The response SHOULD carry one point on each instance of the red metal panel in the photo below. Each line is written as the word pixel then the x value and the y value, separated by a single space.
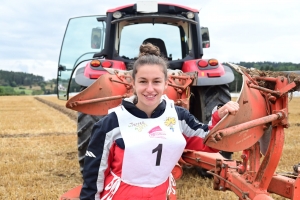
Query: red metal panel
pixel 72 194
pixel 105 86
pixel 252 106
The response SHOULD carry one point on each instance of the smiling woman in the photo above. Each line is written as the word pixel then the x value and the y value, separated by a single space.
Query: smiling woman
pixel 150 78
pixel 149 87
pixel 133 149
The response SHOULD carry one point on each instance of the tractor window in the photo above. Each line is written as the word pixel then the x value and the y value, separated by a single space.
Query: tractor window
pixel 78 45
pixel 132 36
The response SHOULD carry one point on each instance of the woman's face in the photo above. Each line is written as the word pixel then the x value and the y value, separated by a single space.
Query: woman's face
pixel 149 85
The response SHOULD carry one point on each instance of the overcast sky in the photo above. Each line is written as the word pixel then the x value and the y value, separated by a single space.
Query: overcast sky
pixel 31 31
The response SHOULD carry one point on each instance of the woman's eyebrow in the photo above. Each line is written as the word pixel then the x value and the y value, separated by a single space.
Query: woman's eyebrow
pixel 153 78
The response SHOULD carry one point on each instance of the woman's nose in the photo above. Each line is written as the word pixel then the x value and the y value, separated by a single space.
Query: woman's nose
pixel 149 87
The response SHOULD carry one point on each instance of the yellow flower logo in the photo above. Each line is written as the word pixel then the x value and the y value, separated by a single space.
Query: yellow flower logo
pixel 170 121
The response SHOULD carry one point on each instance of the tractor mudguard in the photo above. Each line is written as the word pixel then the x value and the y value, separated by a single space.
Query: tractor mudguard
pixel 88 74
pixel 81 79
pixel 228 77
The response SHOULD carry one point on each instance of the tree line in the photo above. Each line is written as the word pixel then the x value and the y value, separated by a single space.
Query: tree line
pixel 272 66
pixel 13 79
pixel 16 83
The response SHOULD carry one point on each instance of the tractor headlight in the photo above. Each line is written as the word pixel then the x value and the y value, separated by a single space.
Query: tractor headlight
pixel 117 14
pixel 190 15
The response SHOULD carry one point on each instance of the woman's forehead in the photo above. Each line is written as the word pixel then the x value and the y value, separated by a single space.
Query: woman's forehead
pixel 151 71
pixel 152 67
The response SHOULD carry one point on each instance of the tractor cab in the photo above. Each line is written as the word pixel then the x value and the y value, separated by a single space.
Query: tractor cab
pixel 114 41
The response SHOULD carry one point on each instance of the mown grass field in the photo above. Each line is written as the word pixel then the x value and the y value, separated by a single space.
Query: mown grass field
pixel 38 152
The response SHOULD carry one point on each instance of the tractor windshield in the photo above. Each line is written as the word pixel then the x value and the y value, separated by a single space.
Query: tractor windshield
pixel 83 38
pixel 172 39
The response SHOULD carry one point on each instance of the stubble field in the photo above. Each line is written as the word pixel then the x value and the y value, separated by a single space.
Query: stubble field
pixel 38 152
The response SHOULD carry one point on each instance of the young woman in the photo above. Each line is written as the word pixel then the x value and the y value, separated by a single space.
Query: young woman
pixel 134 148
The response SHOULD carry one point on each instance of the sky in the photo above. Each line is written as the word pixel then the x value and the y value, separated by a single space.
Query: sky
pixel 31 32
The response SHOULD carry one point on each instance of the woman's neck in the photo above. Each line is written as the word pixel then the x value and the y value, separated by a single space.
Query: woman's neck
pixel 148 111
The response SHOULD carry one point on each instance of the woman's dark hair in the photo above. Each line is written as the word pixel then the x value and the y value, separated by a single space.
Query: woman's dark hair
pixel 150 55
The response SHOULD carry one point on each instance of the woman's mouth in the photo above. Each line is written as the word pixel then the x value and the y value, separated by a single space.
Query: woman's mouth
pixel 150 97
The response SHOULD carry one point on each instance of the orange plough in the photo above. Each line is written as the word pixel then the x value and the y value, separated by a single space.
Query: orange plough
pixel 263 111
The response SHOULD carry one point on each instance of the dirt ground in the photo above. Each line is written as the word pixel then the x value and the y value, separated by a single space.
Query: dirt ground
pixel 39 156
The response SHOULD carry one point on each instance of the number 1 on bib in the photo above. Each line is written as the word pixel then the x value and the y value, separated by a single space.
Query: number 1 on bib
pixel 158 149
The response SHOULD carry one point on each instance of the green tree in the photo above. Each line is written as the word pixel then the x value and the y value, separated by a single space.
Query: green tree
pixel 13 84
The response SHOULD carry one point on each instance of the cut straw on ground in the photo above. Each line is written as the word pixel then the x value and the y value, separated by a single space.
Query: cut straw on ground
pixel 38 153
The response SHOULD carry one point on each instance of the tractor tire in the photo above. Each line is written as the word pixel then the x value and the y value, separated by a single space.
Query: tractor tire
pixel 209 97
pixel 205 98
pixel 85 125
pixel 202 102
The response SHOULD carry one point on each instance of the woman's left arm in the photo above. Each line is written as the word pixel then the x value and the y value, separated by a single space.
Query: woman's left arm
pixel 195 131
pixel 230 107
pixel 221 111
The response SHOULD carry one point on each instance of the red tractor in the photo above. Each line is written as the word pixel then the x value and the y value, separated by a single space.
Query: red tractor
pixel 94 44
pixel 96 56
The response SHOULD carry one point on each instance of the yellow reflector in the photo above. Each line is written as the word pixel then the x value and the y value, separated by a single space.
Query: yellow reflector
pixel 95 63
pixel 213 62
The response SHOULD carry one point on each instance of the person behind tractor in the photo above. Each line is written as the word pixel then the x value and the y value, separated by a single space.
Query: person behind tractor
pixel 134 148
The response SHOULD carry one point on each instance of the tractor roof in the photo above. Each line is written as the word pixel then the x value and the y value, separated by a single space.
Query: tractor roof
pixel 131 7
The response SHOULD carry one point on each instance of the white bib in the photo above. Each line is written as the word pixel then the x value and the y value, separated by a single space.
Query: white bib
pixel 152 146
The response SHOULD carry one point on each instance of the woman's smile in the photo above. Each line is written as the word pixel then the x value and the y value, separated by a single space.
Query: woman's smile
pixel 149 86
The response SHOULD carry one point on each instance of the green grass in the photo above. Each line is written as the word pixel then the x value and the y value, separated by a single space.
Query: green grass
pixel 27 91
pixel 19 90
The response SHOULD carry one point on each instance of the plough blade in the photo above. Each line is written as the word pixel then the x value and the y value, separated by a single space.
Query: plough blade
pixel 252 106
pixel 105 93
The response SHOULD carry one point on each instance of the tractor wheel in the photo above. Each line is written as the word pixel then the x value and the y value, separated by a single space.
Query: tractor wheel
pixel 85 124
pixel 203 101
pixel 206 98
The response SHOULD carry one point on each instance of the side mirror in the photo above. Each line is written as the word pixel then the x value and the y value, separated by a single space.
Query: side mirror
pixel 96 38
pixel 205 37
pixel 62 68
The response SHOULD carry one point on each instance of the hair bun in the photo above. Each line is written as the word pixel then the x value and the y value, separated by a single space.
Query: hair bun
pixel 149 49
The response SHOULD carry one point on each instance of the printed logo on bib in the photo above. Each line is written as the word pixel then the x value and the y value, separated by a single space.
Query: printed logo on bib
pixel 170 121
pixel 138 126
pixel 157 132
